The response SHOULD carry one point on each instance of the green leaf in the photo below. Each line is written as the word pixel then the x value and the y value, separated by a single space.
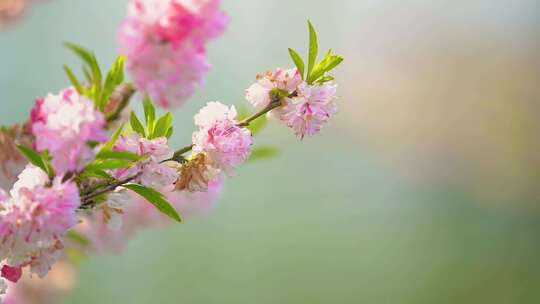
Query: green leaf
pixel 325 79
pixel 313 49
pixel 115 76
pixel 155 198
pixel 35 159
pixel 169 132
pixel 136 124
pixel 329 62
pixel 108 164
pixel 162 126
pixel 333 62
pixel 73 79
pixel 87 74
pixel 126 155
pixel 92 72
pixel 297 61
pixel 150 115
pixel 77 238
pixel 87 57
pixel 110 144
pixel 263 152
pixel 97 173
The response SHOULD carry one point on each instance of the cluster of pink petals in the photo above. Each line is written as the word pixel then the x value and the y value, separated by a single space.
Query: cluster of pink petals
pixel 153 171
pixel 258 94
pixel 33 221
pixel 164 42
pixel 313 107
pixel 309 107
pixel 219 137
pixel 63 124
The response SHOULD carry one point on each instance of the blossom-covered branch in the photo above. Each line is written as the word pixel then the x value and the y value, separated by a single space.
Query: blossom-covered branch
pixel 97 172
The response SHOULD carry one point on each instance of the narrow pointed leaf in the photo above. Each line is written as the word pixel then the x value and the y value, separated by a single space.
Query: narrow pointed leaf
pixel 136 124
pixel 77 238
pixel 150 115
pixel 169 132
pixel 297 61
pixel 125 155
pixel 325 79
pixel 89 58
pixel 313 49
pixel 97 173
pixel 109 164
pixel 34 158
pixel 73 79
pixel 162 126
pixel 263 152
pixel 110 144
pixel 155 198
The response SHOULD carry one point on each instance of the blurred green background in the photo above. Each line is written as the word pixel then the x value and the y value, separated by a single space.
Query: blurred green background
pixel 423 189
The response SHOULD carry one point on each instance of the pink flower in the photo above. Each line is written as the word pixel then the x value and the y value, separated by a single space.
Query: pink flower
pixel 35 218
pixel 214 111
pixel 64 124
pixel 226 144
pixel 313 106
pixel 258 94
pixel 153 172
pixel 164 42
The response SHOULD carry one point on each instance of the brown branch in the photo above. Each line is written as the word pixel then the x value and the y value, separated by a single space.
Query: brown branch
pixel 86 200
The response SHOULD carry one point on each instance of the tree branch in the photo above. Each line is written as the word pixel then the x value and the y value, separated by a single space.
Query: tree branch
pixel 86 200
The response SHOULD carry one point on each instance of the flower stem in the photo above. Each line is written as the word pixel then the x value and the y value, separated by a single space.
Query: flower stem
pixel 177 156
pixel 178 153
pixel 86 200
pixel 276 102
pixel 272 105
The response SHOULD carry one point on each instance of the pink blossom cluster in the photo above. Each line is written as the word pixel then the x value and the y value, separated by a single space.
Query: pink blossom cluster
pixel 63 124
pixel 164 42
pixel 306 109
pixel 33 221
pixel 153 171
pixel 220 138
pixel 98 195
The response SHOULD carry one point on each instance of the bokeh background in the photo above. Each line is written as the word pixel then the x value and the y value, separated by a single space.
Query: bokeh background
pixel 424 189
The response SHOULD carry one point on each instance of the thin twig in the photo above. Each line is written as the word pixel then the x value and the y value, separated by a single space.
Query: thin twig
pixel 86 199
pixel 275 103
pixel 272 105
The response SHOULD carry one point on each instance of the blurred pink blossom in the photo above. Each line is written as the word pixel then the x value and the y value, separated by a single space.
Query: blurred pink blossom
pixel 164 42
